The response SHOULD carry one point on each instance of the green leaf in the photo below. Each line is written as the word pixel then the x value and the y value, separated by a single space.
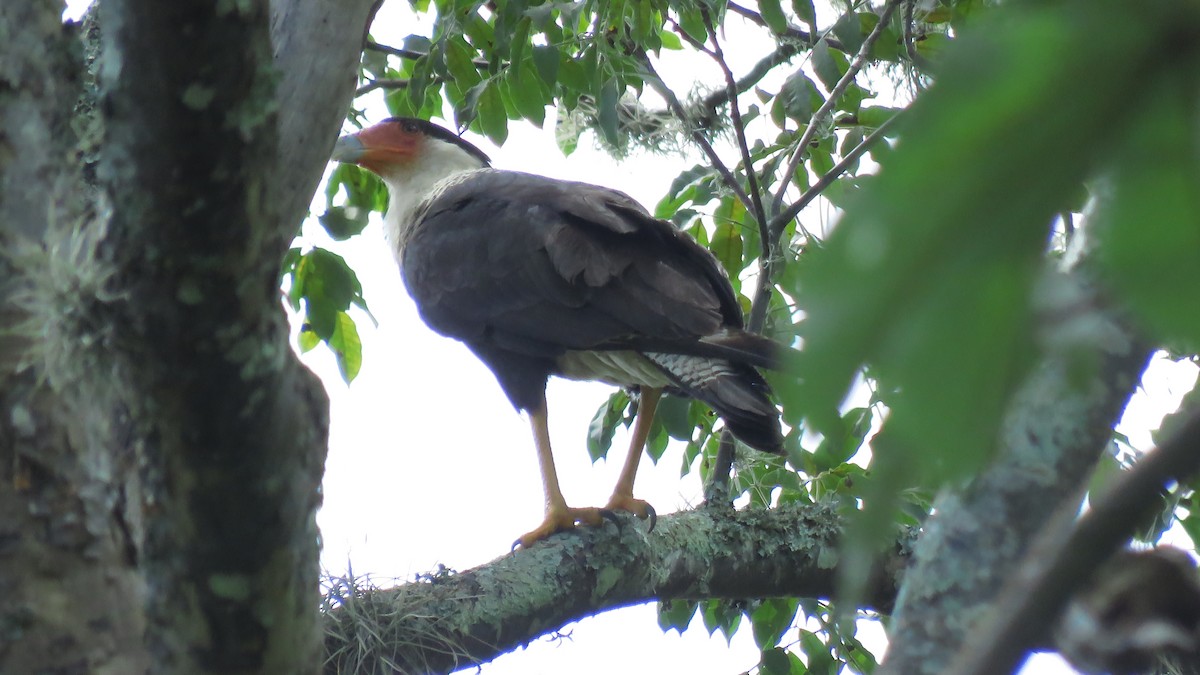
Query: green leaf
pixel 836 449
pixel 676 614
pixel 772 13
pixel 940 284
pixel 347 345
pixel 720 615
pixel 848 30
pixel 673 412
pixel 775 662
pixel 656 444
pixel 574 78
pixel 546 59
pixel 771 619
pixel 606 112
pixel 670 40
pixel 343 222
pixel 308 339
pixel 692 23
pixel 1151 238
pixel 327 286
pixel 805 10
pixel 604 425
pixel 799 97
pixel 336 280
pixel 459 61
pixel 873 117
pixel 727 246
pixel 493 120
pixel 520 42
pixel 819 658
pixel 828 64
pixel 932 46
pixel 527 97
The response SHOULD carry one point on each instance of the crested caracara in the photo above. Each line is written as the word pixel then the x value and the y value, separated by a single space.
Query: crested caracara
pixel 542 277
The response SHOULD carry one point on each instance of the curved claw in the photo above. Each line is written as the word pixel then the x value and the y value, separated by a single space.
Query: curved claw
pixel 653 516
pixel 561 519
pixel 610 516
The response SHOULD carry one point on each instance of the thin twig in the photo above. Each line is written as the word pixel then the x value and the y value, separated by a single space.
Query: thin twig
pixel 1066 551
pixel 762 296
pixel 372 46
pixel 818 118
pixel 656 83
pixel 717 491
pixel 380 84
pixel 413 54
pixel 784 217
pixel 791 32
pixel 735 114
pixel 782 54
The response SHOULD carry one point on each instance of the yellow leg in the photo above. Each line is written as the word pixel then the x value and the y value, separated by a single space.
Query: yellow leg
pixel 622 498
pixel 559 516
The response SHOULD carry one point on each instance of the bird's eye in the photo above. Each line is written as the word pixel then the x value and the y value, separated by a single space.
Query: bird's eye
pixel 410 127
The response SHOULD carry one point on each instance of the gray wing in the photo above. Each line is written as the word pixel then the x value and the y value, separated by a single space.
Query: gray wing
pixel 540 266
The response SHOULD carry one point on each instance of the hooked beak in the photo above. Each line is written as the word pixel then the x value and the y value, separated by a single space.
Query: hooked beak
pixel 348 149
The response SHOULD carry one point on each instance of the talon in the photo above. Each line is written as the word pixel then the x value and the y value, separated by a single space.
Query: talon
pixel 559 519
pixel 638 507
pixel 610 516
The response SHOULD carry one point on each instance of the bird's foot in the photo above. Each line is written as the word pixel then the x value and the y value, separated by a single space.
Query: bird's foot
pixel 638 507
pixel 561 519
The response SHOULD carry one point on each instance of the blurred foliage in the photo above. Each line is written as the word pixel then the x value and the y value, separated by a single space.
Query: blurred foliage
pixel 914 313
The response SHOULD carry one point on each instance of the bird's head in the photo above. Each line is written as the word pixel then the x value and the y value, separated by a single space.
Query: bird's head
pixel 414 158
pixel 401 146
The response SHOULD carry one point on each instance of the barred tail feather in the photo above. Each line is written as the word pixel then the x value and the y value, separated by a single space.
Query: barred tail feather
pixel 736 392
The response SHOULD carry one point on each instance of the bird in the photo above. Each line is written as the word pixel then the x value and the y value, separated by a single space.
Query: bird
pixel 542 277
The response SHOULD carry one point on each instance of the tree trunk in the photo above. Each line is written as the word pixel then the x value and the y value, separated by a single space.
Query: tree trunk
pixel 161 448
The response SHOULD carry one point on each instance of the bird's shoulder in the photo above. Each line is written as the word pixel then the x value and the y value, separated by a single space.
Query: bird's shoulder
pixel 515 193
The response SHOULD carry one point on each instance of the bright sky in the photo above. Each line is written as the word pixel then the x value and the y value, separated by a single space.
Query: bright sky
pixel 429 465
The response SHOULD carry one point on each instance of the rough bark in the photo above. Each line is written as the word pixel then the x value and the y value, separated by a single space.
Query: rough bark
pixel 160 447
pixel 449 621
pixel 69 593
pixel 1058 423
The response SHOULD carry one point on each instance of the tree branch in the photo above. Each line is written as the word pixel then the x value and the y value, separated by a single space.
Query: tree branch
pixel 1067 551
pixel 455 620
pixel 1057 425
pixel 782 54
pixel 380 84
pixel 739 129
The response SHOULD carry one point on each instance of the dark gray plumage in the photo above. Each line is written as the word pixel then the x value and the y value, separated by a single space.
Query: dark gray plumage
pixel 525 269
pixel 542 277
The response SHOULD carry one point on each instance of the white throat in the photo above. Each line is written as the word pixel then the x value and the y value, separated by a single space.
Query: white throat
pixel 441 164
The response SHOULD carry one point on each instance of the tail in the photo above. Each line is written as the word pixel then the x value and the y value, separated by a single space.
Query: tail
pixel 734 390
